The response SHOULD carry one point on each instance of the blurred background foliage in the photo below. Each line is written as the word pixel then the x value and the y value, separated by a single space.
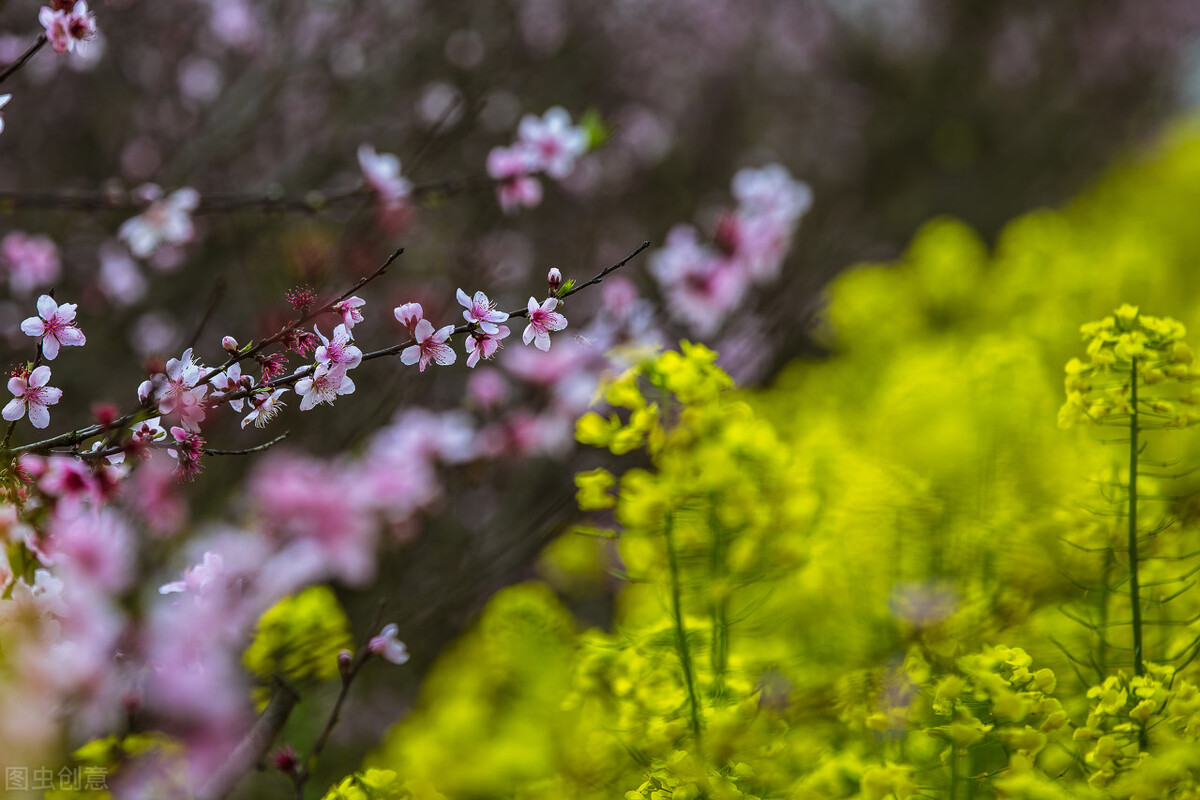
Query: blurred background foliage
pixel 905 539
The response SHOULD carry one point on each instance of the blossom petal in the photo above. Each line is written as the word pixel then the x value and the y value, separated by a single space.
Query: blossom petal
pixel 39 416
pixel 14 410
pixel 46 306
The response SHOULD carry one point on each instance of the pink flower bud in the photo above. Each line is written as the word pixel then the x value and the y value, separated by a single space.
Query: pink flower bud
pixel 285 760
pixel 230 344
pixel 105 414
pixel 554 278
pixel 345 662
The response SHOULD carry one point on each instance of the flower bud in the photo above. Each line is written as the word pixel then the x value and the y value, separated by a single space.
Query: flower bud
pixel 554 279
pixel 345 662
pixel 230 344
pixel 285 760
pixel 105 414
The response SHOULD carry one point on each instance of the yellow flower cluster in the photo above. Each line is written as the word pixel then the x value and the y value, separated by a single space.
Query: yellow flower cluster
pixel 298 639
pixel 887 575
pixel 1128 351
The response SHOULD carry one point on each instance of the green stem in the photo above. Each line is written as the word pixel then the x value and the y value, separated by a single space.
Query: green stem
pixel 954 756
pixel 719 608
pixel 685 657
pixel 1134 595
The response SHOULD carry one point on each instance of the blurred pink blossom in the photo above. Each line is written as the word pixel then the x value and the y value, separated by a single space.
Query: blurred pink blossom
pixel 167 221
pixel 32 261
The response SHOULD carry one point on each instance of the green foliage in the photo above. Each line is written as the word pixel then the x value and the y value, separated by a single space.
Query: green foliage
pixel 867 581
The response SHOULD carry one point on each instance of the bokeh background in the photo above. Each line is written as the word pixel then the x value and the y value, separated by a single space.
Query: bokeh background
pixel 893 112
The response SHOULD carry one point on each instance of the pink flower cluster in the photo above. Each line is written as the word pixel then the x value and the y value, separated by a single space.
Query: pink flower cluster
pixel 32 261
pixel 53 327
pixel 68 29
pixel 549 145
pixel 703 284
pixel 381 171
pixel 167 220
pixel 484 332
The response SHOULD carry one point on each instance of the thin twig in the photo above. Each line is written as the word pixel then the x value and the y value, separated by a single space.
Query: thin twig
pixel 214 302
pixel 38 44
pixel 288 380
pixel 302 773
pixel 212 451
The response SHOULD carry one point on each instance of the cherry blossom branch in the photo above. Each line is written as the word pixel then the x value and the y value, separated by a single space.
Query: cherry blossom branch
pixel 75 437
pixel 295 325
pixel 310 202
pixel 254 746
pixel 287 380
pixel 208 451
pixel 38 44
pixel 212 451
pixel 304 769
pixel 598 278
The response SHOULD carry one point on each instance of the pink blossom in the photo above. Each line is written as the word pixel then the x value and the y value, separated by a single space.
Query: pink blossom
pixel 266 406
pixel 31 393
pixel 175 391
pixel 188 449
pixel 199 578
pixel 92 545
pixel 430 346
pixel 484 345
pixel 323 386
pixel 119 278
pixel 481 311
pixel 382 173
pixel 547 368
pixel 153 495
pixel 320 513
pixel 388 646
pixel 701 288
pixel 771 191
pixel 230 381
pixel 337 352
pixel 554 142
pixel 68 31
pixel 349 309
pixel 542 320
pixel 487 387
pixel 67 479
pixel 167 221
pixel 409 315
pixel 32 261
pixel 55 326
pixel 43 598
pixel 148 431
pixel 513 168
pixel 762 244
